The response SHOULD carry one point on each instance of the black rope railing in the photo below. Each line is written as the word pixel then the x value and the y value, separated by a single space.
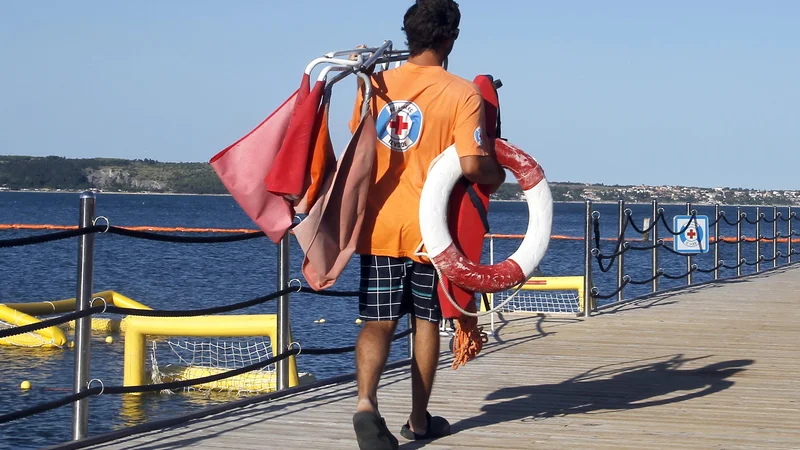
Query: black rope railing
pixel 50 237
pixel 136 234
pixel 596 291
pixel 680 277
pixel 717 267
pixel 649 280
pixel 733 224
pixel 307 290
pixel 692 218
pixel 741 263
pixel 751 222
pixel 647 247
pixel 649 228
pixel 183 239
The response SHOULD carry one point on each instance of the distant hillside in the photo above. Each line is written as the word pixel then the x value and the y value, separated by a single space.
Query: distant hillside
pixel 54 172
pixel 122 175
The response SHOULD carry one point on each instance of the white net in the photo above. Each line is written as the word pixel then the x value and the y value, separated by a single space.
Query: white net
pixel 23 340
pixel 547 302
pixel 178 360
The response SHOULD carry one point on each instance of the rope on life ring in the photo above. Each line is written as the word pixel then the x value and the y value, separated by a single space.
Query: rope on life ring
pixel 444 173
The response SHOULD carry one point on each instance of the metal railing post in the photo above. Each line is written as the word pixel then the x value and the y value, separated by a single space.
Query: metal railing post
pixel 491 262
pixel 738 241
pixel 689 257
pixel 654 233
pixel 588 298
pixel 716 241
pixel 789 240
pixel 83 326
pixel 758 239
pixel 621 258
pixel 775 236
pixel 282 366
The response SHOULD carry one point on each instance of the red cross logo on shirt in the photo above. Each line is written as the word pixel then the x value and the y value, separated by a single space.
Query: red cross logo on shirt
pixel 691 233
pixel 398 125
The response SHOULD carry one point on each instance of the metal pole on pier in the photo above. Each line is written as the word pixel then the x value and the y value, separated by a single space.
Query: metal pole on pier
pixel 689 257
pixel 588 299
pixel 282 366
pixel 758 239
pixel 775 236
pixel 716 241
pixel 83 326
pixel 790 235
pixel 654 233
pixel 621 257
pixel 738 241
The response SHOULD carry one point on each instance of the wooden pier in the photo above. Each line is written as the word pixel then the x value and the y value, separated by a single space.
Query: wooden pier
pixel 707 367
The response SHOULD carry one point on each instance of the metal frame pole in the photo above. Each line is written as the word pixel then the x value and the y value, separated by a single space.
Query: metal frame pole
pixel 716 241
pixel 282 366
pixel 738 241
pixel 775 236
pixel 654 233
pixel 758 239
pixel 621 258
pixel 689 257
pixel 83 326
pixel 789 240
pixel 588 299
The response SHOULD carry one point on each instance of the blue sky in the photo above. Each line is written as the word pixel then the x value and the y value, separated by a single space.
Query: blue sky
pixel 617 92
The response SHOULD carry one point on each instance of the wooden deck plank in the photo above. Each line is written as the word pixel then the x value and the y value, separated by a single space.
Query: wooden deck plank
pixel 707 367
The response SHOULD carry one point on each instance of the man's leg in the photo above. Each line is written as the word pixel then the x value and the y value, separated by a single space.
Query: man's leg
pixel 381 305
pixel 372 351
pixel 423 371
pixel 427 315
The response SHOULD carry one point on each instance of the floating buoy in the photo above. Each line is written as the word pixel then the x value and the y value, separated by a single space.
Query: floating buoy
pixel 109 340
pixel 321 320
pixel 358 321
pixel 316 321
pixel 25 385
pixel 71 344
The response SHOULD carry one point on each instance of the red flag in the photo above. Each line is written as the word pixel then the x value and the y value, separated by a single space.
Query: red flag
pixel 322 164
pixel 288 177
pixel 243 166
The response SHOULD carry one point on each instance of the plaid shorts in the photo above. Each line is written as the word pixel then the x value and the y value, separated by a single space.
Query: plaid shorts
pixel 391 287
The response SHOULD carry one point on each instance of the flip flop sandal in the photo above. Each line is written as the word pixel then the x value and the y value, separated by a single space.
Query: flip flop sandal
pixel 437 427
pixel 372 432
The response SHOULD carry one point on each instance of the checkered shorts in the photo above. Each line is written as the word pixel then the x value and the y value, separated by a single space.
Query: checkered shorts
pixel 392 287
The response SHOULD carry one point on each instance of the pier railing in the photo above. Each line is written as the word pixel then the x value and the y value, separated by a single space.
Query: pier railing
pixel 656 225
pixel 85 306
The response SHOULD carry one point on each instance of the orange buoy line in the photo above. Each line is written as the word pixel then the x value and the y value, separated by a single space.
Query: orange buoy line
pixel 16 226
pixel 556 237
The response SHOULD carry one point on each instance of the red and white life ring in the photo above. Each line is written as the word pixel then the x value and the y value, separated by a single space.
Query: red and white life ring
pixel 443 174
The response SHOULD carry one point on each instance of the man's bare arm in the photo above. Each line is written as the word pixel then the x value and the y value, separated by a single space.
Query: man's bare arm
pixel 483 170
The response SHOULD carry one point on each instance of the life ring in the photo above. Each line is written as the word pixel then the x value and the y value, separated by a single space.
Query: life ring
pixel 444 173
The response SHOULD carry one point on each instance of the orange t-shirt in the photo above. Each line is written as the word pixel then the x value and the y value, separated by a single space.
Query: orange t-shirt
pixel 419 112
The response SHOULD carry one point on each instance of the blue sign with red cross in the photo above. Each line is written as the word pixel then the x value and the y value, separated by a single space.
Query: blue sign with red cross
pixel 399 124
pixel 693 237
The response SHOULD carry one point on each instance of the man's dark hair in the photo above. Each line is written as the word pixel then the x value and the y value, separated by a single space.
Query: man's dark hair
pixel 429 24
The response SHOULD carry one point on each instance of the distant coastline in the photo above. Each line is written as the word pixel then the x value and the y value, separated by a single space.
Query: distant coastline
pixel 149 177
pixel 493 200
